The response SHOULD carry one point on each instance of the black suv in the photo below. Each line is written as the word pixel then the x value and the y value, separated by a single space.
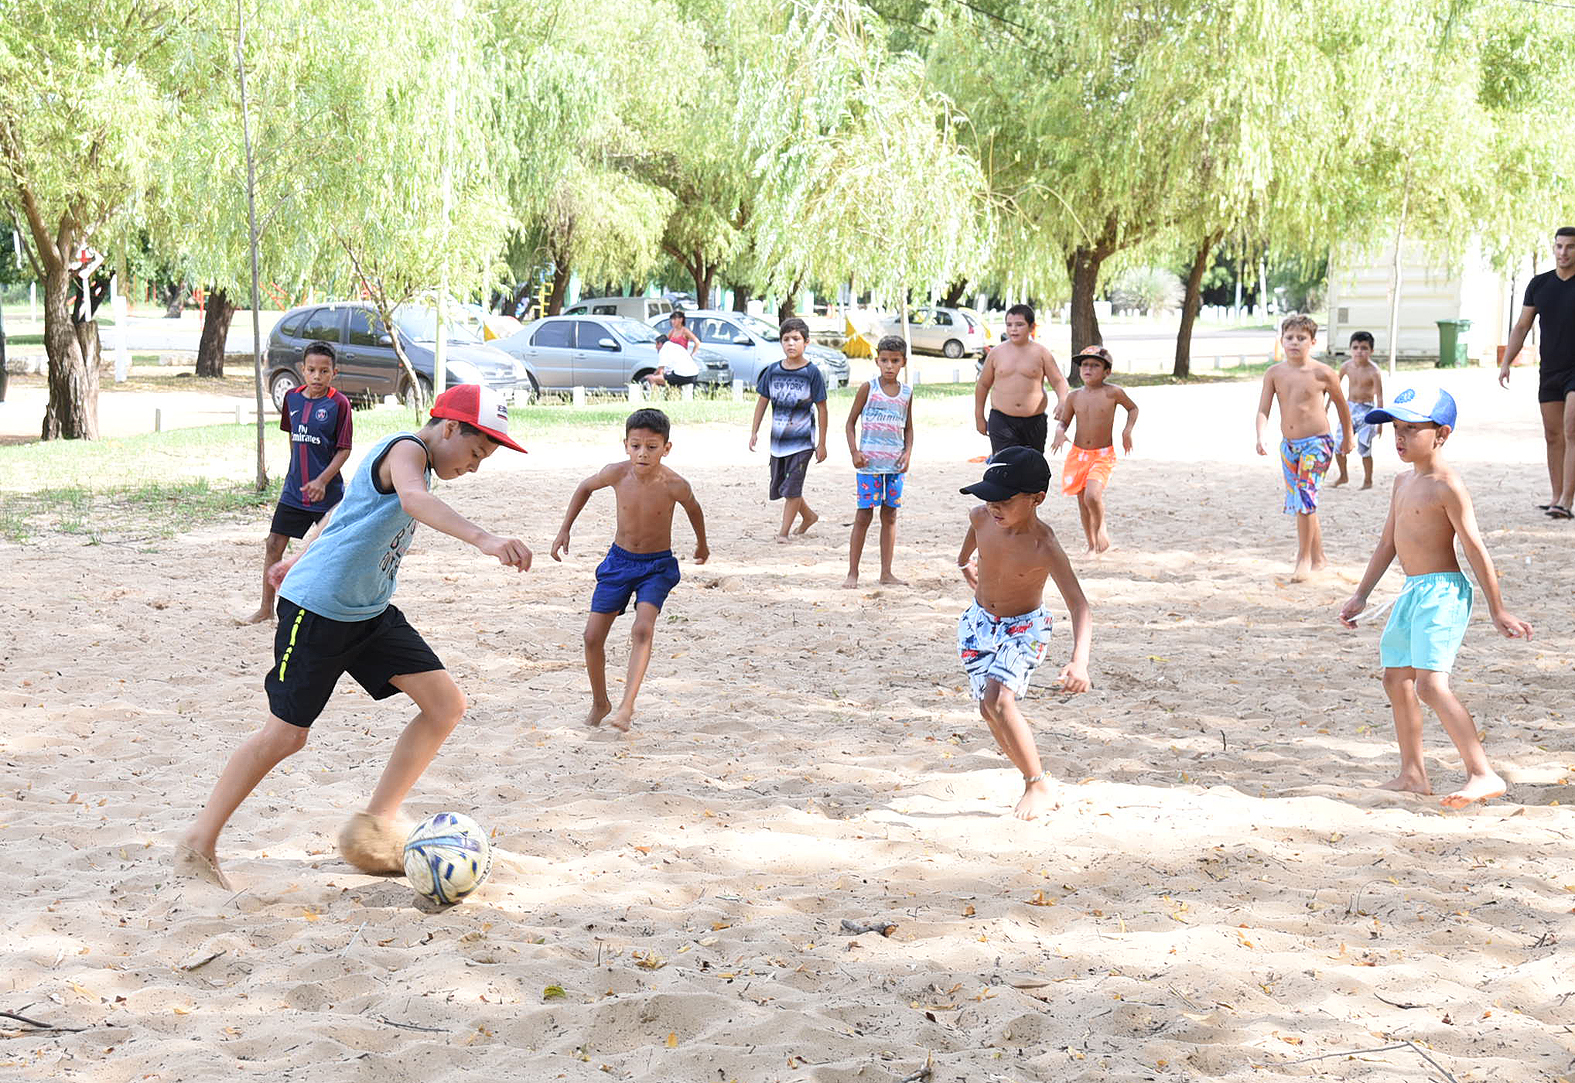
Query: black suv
pixel 368 367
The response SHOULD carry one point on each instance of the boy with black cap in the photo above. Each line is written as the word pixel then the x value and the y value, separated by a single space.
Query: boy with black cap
pixel 335 618
pixel 1428 509
pixel 1004 635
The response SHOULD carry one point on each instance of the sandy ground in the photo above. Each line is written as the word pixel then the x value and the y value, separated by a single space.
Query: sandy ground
pixel 1223 895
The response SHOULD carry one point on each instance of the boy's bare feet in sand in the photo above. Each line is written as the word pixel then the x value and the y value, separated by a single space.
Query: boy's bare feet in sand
pixel 852 582
pixel 598 712
pixel 1038 797
pixel 620 719
pixel 1477 788
pixel 196 865
pixel 374 845
pixel 890 580
pixel 782 539
pixel 1368 484
pixel 256 618
pixel 808 520
pixel 1408 782
pixel 1343 480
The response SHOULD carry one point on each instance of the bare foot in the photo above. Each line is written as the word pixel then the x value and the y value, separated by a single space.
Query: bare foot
pixel 620 719
pixel 1320 563
pixel 195 865
pixel 1407 782
pixel 1339 483
pixel 1102 543
pixel 852 582
pixel 1477 788
pixel 1368 484
pixel 1037 797
pixel 782 539
pixel 809 520
pixel 1090 551
pixel 256 618
pixel 598 711
pixel 374 845
pixel 889 580
pixel 1302 573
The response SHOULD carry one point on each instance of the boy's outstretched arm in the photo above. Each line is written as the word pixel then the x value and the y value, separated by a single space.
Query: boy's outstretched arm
pixel 1265 404
pixel 407 461
pixel 684 495
pixel 965 556
pixel 860 397
pixel 1074 676
pixel 1379 563
pixel 582 494
pixel 276 572
pixel 981 395
pixel 1132 411
pixel 1063 425
pixel 1343 408
pixel 754 426
pixel 1457 503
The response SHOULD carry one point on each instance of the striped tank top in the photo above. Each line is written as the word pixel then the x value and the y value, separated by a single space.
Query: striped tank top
pixel 881 427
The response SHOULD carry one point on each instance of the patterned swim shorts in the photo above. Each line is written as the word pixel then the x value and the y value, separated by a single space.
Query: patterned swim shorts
pixel 1002 649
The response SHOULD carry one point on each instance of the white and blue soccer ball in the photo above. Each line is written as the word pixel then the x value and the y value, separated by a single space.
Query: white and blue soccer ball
pixel 447 857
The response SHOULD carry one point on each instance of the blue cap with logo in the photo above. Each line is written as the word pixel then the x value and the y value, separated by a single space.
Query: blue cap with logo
pixel 1437 407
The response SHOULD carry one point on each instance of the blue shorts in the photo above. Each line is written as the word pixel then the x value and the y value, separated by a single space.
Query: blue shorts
pixel 880 490
pixel 1006 650
pixel 1428 622
pixel 649 577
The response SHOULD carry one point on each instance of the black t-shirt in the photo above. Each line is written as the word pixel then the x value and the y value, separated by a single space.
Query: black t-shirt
pixel 1554 299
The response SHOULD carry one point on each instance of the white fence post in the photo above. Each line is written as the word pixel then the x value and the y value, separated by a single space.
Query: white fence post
pixel 738 391
pixel 635 395
pixel 687 392
pixel 579 396
pixel 158 420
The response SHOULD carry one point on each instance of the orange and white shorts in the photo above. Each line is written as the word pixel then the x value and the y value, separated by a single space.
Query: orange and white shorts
pixel 1083 463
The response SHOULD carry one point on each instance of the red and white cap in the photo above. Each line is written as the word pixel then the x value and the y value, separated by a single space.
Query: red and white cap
pixel 479 406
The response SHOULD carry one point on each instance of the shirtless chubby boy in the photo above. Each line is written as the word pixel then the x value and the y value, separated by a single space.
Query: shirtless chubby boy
pixel 1012 381
pixel 1092 409
pixel 1428 510
pixel 1303 388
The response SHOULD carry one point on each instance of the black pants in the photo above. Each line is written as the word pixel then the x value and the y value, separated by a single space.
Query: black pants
pixel 1008 430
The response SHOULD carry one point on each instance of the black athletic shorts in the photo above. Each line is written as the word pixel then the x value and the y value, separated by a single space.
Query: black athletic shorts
pixel 1008 430
pixel 787 474
pixel 310 652
pixel 1556 385
pixel 294 522
pixel 674 380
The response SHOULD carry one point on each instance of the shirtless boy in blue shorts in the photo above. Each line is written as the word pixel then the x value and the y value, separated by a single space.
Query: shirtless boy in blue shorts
pixel 640 563
pixel 1004 635
pixel 1428 510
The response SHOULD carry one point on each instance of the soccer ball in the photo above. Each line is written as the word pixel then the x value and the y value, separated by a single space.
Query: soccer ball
pixel 447 857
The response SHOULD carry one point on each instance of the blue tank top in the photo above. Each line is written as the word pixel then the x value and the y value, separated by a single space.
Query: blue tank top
pixel 348 573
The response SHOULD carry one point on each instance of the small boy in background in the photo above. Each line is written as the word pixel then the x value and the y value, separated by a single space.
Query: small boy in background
pixel 1004 635
pixel 796 392
pixel 1364 385
pixel 1093 454
pixel 1428 510
pixel 880 438
pixel 318 420
pixel 640 563
pixel 1303 388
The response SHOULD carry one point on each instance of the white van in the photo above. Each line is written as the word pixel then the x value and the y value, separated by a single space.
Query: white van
pixel 642 309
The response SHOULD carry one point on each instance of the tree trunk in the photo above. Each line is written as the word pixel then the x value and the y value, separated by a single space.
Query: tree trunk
pixel 73 363
pixel 954 293
pixel 704 274
pixel 560 290
pixel 1191 304
pixel 217 314
pixel 1082 266
pixel 175 300
pixel 740 297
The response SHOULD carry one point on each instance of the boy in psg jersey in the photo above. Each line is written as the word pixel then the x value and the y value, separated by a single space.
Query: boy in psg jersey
pixel 335 618
pixel 318 420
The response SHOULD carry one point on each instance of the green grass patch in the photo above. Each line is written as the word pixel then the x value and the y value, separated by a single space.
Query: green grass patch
pixel 24 340
pixel 129 513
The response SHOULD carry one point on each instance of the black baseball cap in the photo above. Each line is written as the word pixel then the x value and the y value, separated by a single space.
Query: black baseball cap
pixel 1010 471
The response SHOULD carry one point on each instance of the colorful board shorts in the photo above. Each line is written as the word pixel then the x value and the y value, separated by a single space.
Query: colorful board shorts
pixel 879 490
pixel 1428 622
pixel 1085 463
pixel 1304 463
pixel 1364 431
pixel 1003 649
pixel 649 577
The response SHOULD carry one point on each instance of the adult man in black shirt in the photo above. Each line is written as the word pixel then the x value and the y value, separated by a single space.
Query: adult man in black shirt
pixel 1551 295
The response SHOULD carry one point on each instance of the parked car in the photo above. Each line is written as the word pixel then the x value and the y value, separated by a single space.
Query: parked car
pixel 368 366
pixel 951 332
pixel 750 344
pixel 643 309
pixel 597 352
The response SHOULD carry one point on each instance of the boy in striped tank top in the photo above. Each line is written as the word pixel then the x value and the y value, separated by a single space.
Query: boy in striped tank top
pixel 880 438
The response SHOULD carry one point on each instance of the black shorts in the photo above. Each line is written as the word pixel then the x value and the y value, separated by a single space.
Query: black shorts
pixel 787 474
pixel 674 380
pixel 294 522
pixel 1009 430
pixel 1556 385
pixel 310 652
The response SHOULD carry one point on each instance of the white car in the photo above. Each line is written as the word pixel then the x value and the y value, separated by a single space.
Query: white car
pixel 951 332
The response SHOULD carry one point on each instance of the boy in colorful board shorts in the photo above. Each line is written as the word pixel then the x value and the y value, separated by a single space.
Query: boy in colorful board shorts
pixel 1364 382
pixel 1428 510
pixel 1004 635
pixel 796 392
pixel 640 564
pixel 318 420
pixel 1303 388
pixel 880 439
pixel 1093 454
pixel 335 618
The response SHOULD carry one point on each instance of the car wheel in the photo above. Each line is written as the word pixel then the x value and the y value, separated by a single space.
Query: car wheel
pixel 280 385
pixel 639 376
pixel 953 349
pixel 533 392
pixel 418 395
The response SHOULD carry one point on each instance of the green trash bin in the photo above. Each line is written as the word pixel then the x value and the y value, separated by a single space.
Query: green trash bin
pixel 1452 343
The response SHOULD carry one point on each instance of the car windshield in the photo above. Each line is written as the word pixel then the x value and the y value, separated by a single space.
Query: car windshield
pixel 419 324
pixel 630 330
pixel 767 331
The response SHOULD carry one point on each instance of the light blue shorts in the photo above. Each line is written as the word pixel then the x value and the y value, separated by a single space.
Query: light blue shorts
pixel 1002 649
pixel 1428 622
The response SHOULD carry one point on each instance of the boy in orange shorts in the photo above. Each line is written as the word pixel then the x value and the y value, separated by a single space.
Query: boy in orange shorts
pixel 1093 454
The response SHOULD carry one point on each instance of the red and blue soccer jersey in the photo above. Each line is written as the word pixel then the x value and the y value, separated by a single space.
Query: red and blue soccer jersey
pixel 318 428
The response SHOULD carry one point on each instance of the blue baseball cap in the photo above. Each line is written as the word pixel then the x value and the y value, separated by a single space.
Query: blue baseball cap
pixel 1437 407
